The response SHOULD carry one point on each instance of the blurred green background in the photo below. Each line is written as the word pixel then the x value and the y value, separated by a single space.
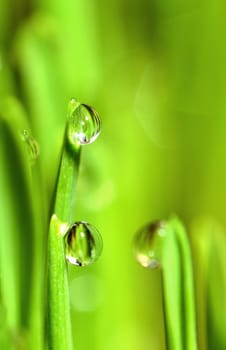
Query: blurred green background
pixel 155 71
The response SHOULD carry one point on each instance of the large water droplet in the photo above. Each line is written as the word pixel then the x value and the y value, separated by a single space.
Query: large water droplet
pixel 32 146
pixel 147 242
pixel 83 244
pixel 84 124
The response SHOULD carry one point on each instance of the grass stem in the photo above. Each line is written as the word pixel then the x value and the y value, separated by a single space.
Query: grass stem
pixel 59 324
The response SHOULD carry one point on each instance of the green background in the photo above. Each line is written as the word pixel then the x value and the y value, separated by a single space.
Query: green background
pixel 156 73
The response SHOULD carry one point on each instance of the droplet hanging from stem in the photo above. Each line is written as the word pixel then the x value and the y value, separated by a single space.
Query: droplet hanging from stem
pixel 147 243
pixel 165 244
pixel 84 124
pixel 83 244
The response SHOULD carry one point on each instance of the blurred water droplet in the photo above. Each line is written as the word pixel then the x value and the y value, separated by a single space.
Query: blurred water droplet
pixel 146 244
pixel 84 124
pixel 83 244
pixel 32 146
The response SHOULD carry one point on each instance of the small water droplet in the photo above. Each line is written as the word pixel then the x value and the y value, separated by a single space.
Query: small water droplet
pixel 147 242
pixel 83 244
pixel 84 124
pixel 32 146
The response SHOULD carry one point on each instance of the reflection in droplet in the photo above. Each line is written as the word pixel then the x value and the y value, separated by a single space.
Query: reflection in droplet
pixel 84 123
pixel 86 293
pixel 83 244
pixel 32 146
pixel 146 244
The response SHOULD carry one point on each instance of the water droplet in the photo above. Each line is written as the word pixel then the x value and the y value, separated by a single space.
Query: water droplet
pixel 147 242
pixel 32 146
pixel 83 244
pixel 84 124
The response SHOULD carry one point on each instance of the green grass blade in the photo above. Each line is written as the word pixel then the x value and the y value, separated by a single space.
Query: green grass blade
pixel 172 290
pixel 208 239
pixel 178 288
pixel 187 281
pixel 17 219
pixel 165 244
pixel 22 229
pixel 59 324
pixel 37 50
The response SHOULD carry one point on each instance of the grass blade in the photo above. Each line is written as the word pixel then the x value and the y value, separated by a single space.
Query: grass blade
pixel 208 240
pixel 165 244
pixel 17 223
pixel 59 323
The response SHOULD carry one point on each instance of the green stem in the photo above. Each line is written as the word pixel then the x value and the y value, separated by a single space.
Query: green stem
pixel 208 239
pixel 171 272
pixel 187 281
pixel 66 186
pixel 18 228
pixel 60 335
pixel 178 288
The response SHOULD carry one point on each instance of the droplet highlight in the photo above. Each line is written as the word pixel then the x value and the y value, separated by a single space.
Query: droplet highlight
pixel 32 146
pixel 83 244
pixel 147 242
pixel 84 124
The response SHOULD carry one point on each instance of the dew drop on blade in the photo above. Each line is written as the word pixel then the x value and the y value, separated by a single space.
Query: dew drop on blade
pixel 83 244
pixel 32 146
pixel 146 244
pixel 84 124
